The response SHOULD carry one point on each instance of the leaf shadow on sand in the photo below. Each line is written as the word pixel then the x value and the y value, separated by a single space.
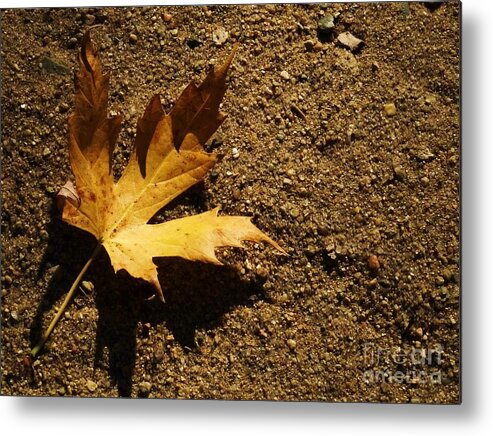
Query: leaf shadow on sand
pixel 197 296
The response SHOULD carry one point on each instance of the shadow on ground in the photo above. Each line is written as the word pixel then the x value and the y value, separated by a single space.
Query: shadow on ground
pixel 197 296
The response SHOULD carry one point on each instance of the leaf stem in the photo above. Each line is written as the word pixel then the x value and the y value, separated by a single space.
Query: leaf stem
pixel 35 351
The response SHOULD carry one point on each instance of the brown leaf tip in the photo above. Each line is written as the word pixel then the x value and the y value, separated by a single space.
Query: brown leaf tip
pixel 223 69
pixel 87 53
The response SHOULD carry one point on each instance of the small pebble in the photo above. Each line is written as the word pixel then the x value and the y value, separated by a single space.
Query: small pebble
pixel 219 36
pixel 91 386
pixel 295 212
pixel 262 272
pixel 144 388
pixel 350 41
pixel 399 173
pixel 390 109
pixel 63 108
pixel 444 293
pixel 326 24
pixel 159 355
pixel 311 250
pixel 430 99
pixel 262 333
pixel 373 262
pixel 285 75
pixel 291 344
pixel 448 274
pixel 236 194
pixel 87 286
pixel 283 298
pixel 423 154
pixel 235 152
pixel 133 38
pixel 167 18
pixel 318 46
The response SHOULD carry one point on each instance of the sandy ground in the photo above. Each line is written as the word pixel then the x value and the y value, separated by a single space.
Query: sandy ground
pixel 347 156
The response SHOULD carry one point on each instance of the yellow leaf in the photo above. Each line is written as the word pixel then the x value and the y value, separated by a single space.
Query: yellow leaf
pixel 167 159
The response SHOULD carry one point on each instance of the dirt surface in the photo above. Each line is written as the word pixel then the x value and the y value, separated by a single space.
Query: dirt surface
pixel 347 156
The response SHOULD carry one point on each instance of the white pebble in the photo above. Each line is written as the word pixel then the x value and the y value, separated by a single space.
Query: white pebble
pixel 285 75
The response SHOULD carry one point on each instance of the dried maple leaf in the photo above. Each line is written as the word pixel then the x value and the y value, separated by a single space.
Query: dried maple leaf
pixel 167 159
